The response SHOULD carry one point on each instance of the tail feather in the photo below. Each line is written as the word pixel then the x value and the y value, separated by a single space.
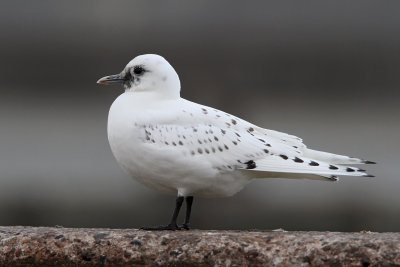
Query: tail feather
pixel 301 168
pixel 333 158
pixel 287 175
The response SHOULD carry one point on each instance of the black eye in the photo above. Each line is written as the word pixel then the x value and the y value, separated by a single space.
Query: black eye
pixel 138 70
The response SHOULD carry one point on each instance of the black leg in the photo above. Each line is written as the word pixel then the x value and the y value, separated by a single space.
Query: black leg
pixel 172 225
pixel 189 202
pixel 178 205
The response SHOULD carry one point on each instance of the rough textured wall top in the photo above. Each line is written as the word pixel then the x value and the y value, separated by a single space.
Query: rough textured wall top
pixel 32 246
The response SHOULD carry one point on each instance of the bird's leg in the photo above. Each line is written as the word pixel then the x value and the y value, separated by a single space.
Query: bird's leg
pixel 172 225
pixel 189 202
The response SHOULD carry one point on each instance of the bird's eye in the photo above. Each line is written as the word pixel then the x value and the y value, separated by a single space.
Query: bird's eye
pixel 138 70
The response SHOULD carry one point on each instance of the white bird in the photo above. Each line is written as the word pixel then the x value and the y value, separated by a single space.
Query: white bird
pixel 179 147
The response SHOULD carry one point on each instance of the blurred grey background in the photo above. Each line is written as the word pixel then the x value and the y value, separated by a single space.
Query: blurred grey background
pixel 328 72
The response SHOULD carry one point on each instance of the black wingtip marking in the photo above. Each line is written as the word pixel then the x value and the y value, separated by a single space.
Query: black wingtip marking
pixel 313 163
pixel 298 160
pixel 350 170
pixel 368 162
pixel 333 167
pixel 361 170
pixel 333 178
pixel 250 165
pixel 368 175
pixel 284 157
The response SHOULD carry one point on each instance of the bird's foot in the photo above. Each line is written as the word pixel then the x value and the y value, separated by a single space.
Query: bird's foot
pixel 171 227
pixel 185 226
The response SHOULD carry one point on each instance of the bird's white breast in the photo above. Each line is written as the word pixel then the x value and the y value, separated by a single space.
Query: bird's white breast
pixel 163 168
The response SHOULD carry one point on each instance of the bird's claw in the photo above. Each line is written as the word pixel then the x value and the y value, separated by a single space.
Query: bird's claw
pixel 185 226
pixel 171 227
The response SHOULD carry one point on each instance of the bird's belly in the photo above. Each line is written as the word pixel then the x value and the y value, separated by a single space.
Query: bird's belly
pixel 164 169
pixel 165 173
pixel 134 158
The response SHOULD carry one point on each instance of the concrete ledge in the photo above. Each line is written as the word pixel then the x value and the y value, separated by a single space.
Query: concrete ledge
pixel 44 246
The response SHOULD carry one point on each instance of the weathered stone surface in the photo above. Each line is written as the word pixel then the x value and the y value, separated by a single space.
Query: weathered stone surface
pixel 43 246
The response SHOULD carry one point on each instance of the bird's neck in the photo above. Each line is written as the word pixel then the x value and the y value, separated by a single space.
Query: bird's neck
pixel 147 98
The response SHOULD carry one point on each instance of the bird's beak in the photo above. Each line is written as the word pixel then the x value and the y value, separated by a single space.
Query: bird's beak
pixel 116 78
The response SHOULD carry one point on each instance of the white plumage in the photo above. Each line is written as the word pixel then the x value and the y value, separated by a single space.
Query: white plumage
pixel 176 146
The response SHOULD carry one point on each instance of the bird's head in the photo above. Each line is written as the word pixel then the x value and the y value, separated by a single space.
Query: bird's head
pixel 147 73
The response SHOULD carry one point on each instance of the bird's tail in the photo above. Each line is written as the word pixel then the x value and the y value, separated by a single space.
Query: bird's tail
pixel 315 165
pixel 333 158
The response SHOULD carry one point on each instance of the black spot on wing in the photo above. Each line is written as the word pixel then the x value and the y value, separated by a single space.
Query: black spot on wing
pixel 332 167
pixel 234 122
pixel 333 178
pixel 284 157
pixel 313 163
pixel 250 165
pixel 350 170
pixel 298 160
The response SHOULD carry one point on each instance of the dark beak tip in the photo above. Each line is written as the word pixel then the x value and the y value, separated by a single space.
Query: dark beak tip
pixel 110 79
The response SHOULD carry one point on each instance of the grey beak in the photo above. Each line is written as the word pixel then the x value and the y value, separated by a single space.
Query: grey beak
pixel 116 78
